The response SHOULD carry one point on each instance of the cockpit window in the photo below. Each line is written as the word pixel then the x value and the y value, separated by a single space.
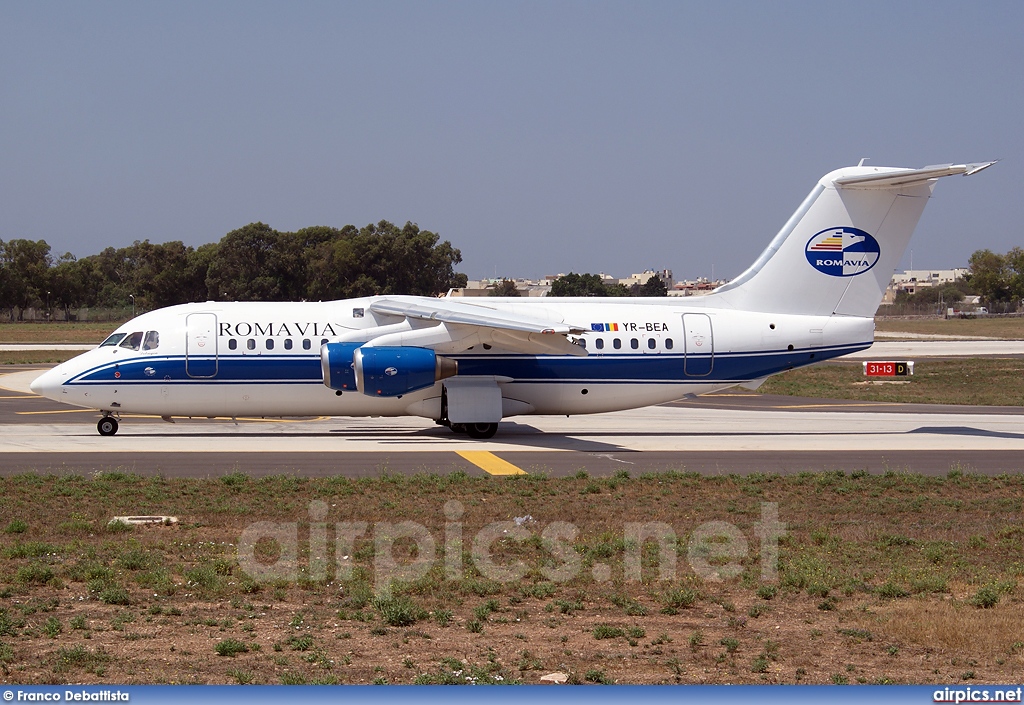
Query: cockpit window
pixel 152 341
pixel 133 341
pixel 114 339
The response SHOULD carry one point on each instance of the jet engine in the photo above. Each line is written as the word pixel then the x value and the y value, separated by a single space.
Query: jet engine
pixel 393 371
pixel 336 363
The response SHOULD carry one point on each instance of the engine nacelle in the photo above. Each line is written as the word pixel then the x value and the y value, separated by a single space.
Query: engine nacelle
pixel 336 363
pixel 393 371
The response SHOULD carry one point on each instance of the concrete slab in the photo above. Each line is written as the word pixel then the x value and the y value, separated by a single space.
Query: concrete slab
pixel 19 381
pixel 913 349
pixel 656 429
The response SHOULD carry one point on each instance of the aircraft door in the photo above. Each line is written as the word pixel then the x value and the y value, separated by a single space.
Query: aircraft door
pixel 699 345
pixel 201 345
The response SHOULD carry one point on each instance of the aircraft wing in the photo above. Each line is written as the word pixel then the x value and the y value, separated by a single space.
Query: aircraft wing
pixel 529 334
pixel 448 311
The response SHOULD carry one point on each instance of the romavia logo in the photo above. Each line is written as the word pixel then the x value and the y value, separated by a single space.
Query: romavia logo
pixel 842 252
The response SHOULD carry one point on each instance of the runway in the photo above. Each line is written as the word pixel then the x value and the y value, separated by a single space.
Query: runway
pixel 716 434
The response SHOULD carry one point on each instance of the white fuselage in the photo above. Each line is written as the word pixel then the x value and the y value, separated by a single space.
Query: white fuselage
pixel 263 359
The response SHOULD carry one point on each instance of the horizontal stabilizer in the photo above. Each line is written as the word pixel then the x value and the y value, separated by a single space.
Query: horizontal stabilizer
pixel 903 177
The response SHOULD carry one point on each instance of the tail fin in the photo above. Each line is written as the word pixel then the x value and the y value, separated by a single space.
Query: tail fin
pixel 836 254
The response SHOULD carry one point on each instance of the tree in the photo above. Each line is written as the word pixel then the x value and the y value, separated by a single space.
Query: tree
pixel 1015 266
pixel 253 263
pixel 249 265
pixel 990 276
pixel 506 287
pixel 383 259
pixel 927 299
pixel 26 264
pixel 573 284
pixel 654 286
pixel 69 283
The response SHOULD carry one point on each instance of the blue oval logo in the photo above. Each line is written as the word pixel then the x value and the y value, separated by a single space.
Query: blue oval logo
pixel 842 252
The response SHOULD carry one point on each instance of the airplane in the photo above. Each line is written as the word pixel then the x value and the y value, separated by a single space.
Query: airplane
pixel 469 363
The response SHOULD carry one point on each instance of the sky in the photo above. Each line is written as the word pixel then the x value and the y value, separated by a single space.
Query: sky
pixel 537 137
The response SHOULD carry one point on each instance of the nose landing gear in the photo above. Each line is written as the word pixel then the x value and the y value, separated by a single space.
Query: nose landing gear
pixel 107 426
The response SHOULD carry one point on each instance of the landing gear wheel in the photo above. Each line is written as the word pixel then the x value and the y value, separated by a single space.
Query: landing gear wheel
pixel 107 426
pixel 481 430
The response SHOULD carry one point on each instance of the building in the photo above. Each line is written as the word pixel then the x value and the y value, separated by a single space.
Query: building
pixel 665 275
pixel 913 280
pixel 696 287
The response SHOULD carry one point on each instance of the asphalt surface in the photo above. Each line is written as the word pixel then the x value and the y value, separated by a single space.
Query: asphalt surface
pixel 725 433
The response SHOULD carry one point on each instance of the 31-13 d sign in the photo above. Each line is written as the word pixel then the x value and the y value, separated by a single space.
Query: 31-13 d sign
pixel 888 369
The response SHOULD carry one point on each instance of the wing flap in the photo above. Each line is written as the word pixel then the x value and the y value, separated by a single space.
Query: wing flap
pixel 513 331
pixel 448 311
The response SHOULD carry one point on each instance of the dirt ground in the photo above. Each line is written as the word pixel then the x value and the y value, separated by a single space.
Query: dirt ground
pixel 882 579
pixel 794 642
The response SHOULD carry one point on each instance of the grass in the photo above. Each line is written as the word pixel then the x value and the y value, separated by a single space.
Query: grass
pixel 230 647
pixel 84 333
pixel 36 357
pixel 898 559
pixel 398 611
pixel 965 381
pixel 1008 328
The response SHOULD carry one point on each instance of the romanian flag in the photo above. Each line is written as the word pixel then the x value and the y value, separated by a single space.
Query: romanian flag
pixel 611 326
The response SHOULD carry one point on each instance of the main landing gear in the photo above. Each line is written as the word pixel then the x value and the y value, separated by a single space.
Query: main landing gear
pixel 476 430
pixel 107 426
pixel 473 430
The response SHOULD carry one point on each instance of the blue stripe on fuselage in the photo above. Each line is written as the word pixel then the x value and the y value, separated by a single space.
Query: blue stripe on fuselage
pixel 596 368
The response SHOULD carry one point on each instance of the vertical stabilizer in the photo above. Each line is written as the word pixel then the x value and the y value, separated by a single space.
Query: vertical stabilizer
pixel 837 253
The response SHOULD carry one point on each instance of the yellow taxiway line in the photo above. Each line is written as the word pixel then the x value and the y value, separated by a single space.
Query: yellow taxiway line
pixel 150 416
pixel 490 463
pixel 57 411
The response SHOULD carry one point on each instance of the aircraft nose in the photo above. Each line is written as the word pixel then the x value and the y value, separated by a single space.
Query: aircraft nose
pixel 46 384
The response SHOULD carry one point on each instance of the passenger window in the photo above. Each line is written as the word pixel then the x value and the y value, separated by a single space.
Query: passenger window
pixel 357 313
pixel 634 343
pixel 582 343
pixel 152 341
pixel 114 339
pixel 306 345
pixel 617 344
pixel 232 344
pixel 323 341
pixel 270 344
pixel 599 344
pixel 287 343
pixel 651 343
pixel 250 344
pixel 668 343
pixel 133 341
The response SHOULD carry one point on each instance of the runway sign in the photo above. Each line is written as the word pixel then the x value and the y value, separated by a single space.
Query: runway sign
pixel 888 369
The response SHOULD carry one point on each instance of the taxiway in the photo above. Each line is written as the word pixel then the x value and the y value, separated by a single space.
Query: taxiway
pixel 718 434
